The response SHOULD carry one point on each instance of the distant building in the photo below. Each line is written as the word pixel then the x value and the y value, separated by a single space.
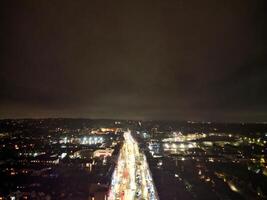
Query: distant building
pixel 43 159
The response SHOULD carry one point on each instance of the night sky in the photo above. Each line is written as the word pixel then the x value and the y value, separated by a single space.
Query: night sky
pixel 168 59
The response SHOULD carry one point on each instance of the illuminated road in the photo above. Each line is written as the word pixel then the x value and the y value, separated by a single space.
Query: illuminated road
pixel 132 178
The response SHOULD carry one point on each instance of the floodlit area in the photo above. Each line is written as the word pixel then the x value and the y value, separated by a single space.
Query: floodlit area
pixel 132 178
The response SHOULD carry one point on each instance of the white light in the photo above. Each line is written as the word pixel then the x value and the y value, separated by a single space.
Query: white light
pixel 167 145
pixel 63 155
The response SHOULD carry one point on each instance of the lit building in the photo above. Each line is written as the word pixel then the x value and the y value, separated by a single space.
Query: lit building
pixel 103 152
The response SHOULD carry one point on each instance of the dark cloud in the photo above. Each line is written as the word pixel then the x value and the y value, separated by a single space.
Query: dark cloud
pixel 202 60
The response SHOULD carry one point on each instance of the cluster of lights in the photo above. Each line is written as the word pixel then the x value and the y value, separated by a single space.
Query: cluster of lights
pixel 92 140
pixel 258 141
pixel 180 146
pixel 178 137
pixel 31 154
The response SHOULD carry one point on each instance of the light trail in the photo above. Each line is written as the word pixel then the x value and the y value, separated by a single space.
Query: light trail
pixel 132 178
